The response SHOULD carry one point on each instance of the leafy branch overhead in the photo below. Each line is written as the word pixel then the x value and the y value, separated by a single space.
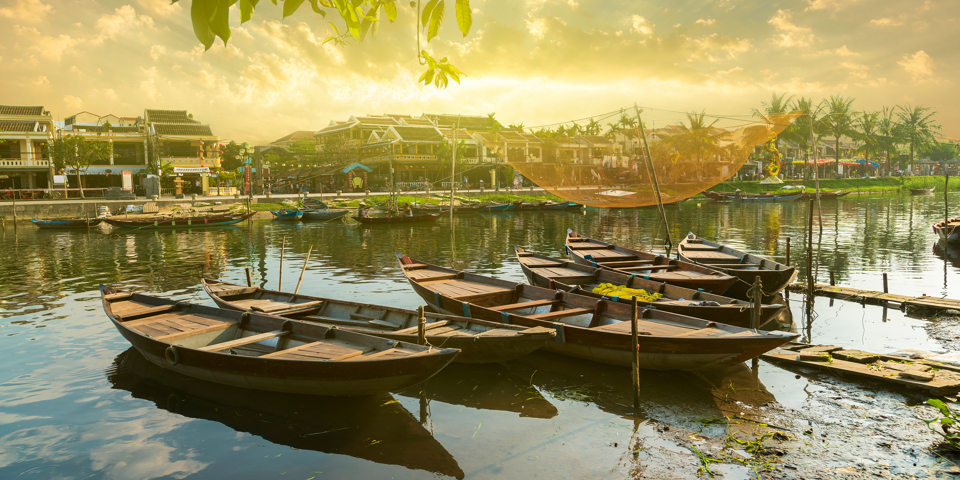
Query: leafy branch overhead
pixel 211 19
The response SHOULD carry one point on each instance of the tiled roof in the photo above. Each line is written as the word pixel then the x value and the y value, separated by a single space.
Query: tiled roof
pixel 418 134
pixel 168 116
pixel 595 140
pixel 17 110
pixel 514 136
pixel 180 129
pixel 377 121
pixel 471 122
pixel 18 126
pixel 418 121
pixel 103 128
pixel 297 136
pixel 336 128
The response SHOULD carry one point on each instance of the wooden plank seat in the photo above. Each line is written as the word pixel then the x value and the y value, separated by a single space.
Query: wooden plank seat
pixel 146 312
pixel 316 351
pixel 425 275
pixel 613 258
pixel 117 296
pixel 650 267
pixel 628 263
pixel 275 307
pixel 219 347
pixel 591 246
pixel 428 326
pixel 415 266
pixel 441 276
pixel 731 265
pixel 232 292
pixel 570 312
pixel 169 327
pixel 547 265
pixel 517 306
pixel 700 248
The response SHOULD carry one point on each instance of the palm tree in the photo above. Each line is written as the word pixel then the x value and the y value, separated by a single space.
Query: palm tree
pixel 867 126
pixel 517 126
pixel 889 133
pixel 799 131
pixel 838 122
pixel 917 126
pixel 779 105
pixel 593 127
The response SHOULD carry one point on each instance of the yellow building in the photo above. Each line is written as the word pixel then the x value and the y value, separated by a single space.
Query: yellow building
pixel 189 146
pixel 24 134
pixel 128 139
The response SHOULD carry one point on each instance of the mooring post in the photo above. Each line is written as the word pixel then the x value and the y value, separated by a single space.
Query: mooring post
pixel 788 252
pixel 810 252
pixel 757 299
pixel 302 270
pixel 634 341
pixel 249 278
pixel 421 326
pixel 832 280
pixel 14 211
pixel 280 280
pixel 885 283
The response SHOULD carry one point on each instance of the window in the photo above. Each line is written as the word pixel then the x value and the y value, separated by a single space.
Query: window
pixel 10 149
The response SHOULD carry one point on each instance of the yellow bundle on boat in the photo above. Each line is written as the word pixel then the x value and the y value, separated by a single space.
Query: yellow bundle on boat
pixel 621 291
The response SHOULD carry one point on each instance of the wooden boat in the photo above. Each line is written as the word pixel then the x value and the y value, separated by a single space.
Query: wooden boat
pixel 594 253
pixel 773 275
pixel 948 230
pixel 322 215
pixel 179 222
pixel 500 207
pixel 398 219
pixel 227 347
pixel 441 209
pixel 65 223
pixel 478 340
pixel 556 274
pixel 824 194
pixel 561 206
pixel 590 328
pixel 768 198
pixel 281 418
pixel 922 191
pixel 287 215
pixel 934 377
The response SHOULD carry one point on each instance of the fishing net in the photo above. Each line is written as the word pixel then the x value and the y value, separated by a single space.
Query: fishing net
pixel 687 161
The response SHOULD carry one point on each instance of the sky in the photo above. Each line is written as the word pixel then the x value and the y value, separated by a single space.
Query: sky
pixel 536 62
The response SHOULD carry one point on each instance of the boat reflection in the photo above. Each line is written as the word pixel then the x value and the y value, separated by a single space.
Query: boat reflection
pixel 373 428
pixel 487 387
pixel 947 252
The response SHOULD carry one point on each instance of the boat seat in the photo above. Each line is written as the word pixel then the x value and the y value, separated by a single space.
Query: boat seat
pixel 414 328
pixel 649 267
pixel 219 347
pixel 700 248
pixel 415 266
pixel 517 306
pixel 440 276
pixel 281 307
pixel 570 312
pixel 591 247
pixel 234 291
pixel 146 312
pixel 546 265
pixel 117 296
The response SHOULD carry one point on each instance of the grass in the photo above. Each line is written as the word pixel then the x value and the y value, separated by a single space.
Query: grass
pixel 263 207
pixel 874 185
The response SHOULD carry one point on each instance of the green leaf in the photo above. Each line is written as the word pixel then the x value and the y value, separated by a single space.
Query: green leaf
pixel 435 20
pixel 940 406
pixel 464 16
pixel 425 14
pixel 370 19
pixel 427 77
pixel 317 9
pixel 947 421
pixel 220 20
pixel 201 23
pixel 349 14
pixel 290 7
pixel 246 10
pixel 390 8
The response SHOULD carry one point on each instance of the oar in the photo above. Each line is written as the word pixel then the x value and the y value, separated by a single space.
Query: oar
pixel 304 269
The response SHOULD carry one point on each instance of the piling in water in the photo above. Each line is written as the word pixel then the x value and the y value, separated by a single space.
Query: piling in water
pixel 421 326
pixel 249 278
pixel 634 341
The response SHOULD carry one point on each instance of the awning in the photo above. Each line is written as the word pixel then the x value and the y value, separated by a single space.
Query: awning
pixel 102 170
pixel 356 165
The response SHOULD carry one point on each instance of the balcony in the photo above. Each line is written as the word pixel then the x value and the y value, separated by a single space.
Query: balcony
pixel 23 162
pixel 403 157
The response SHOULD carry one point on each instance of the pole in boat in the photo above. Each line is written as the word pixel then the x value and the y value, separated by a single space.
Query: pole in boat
pixel 421 326
pixel 14 210
pixel 810 259
pixel 302 270
pixel 635 347
pixel 453 168
pixel 653 179
pixel 946 186
pixel 280 280
pixel 249 278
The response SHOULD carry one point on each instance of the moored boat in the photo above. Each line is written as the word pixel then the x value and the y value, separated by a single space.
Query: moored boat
pixel 922 191
pixel 287 215
pixel 322 215
pixel 590 328
pixel 774 276
pixel 147 223
pixel 824 194
pixel 264 352
pixel 479 341
pixel 500 207
pixel 561 206
pixel 595 253
pixel 557 274
pixel 423 218
pixel 948 230
pixel 67 223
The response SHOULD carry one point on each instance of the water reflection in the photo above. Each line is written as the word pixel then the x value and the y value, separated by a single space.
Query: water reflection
pixel 374 428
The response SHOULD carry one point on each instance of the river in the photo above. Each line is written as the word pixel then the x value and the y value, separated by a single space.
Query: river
pixel 77 402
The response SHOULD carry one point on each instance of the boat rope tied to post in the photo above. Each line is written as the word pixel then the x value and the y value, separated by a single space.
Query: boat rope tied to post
pixel 621 291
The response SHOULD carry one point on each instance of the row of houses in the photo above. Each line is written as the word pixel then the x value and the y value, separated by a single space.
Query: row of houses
pixel 139 144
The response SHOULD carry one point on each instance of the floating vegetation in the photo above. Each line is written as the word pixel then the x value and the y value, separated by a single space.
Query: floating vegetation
pixel 947 423
pixel 577 394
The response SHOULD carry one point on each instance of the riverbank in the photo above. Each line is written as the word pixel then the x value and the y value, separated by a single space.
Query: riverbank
pixel 855 185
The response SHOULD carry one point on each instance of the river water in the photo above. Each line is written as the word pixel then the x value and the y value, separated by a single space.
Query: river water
pixel 77 402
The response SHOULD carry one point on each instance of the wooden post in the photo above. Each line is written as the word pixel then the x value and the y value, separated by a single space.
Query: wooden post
pixel 421 326
pixel 249 278
pixel 788 252
pixel 280 281
pixel 885 283
pixel 757 299
pixel 832 280
pixel 634 341
pixel 654 181
pixel 946 187
pixel 810 253
pixel 14 211
pixel 302 270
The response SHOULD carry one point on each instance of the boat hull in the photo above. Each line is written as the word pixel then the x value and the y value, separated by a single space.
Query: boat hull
pixel 323 215
pixel 66 224
pixel 287 216
pixel 774 276
pixel 948 231
pixel 192 222
pixel 428 218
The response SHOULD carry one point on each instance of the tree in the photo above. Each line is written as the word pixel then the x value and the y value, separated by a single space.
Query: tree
pixel 866 128
pixel 230 159
pixel 211 19
pixel 305 151
pixel 941 151
pixel 889 134
pixel 592 128
pixel 838 122
pixel 76 152
pixel 917 127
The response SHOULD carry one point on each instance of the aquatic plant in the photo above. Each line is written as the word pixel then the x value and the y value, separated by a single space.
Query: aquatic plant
pixel 947 423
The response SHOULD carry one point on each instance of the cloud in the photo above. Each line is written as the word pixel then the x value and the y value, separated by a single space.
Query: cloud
pixel 707 22
pixel 841 51
pixel 125 20
pixel 536 27
pixel 33 11
pixel 72 103
pixel 731 46
pixel 41 81
pixel 789 35
pixel 919 66
pixel 161 8
pixel 641 25
pixel 886 22
pixel 829 4
pixel 51 48
pixel 157 51
pixel 857 70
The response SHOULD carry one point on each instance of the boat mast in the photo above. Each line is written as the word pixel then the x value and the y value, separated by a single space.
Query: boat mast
pixel 653 179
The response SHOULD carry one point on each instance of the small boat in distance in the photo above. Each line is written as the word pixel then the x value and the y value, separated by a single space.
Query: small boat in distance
pixel 265 352
pixel 590 328
pixel 479 341
pixel 67 223
pixel 500 207
pixel 148 223
pixel 561 206
pixel 285 215
pixel 322 215
pixel 423 218
pixel 595 253
pixel 774 276
pixel 557 274
pixel 922 191
pixel 948 230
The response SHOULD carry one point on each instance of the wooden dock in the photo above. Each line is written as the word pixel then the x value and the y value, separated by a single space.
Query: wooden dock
pixel 870 296
pixel 936 378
